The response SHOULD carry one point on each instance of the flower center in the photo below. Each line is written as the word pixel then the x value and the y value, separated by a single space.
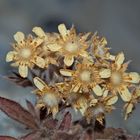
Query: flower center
pixel 116 78
pixel 85 76
pixel 25 53
pixel 50 99
pixel 71 47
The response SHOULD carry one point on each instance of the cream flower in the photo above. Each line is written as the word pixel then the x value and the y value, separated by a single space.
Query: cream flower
pixel 25 53
pixel 81 103
pixel 99 107
pixel 48 38
pixel 70 44
pixel 99 48
pixel 86 77
pixel 49 96
pixel 120 81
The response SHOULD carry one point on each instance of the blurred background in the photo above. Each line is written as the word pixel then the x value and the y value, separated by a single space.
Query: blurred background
pixel 118 21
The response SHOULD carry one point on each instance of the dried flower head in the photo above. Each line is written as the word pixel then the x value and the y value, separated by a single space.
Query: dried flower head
pixel 99 107
pixel 48 39
pixel 70 45
pixel 48 96
pixel 79 69
pixel 25 53
pixel 86 77
pixel 120 81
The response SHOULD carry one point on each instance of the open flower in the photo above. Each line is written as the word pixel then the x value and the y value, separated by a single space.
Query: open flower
pixel 86 77
pixel 120 81
pixel 49 96
pixel 48 38
pixel 99 107
pixel 70 44
pixel 80 103
pixel 25 53
pixel 129 106
pixel 99 48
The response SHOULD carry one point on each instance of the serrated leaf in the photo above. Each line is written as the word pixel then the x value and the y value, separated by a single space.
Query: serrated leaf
pixel 36 135
pixel 7 138
pixel 17 79
pixel 17 112
pixel 50 123
pixel 32 110
pixel 66 122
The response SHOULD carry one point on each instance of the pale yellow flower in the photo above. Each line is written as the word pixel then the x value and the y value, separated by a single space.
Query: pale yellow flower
pixel 120 81
pixel 48 38
pixel 80 103
pixel 99 107
pixel 100 49
pixel 49 96
pixel 70 45
pixel 129 106
pixel 25 53
pixel 87 77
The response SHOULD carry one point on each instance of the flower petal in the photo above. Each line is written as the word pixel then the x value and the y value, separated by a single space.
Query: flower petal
pixel 40 62
pixel 66 72
pixel 105 93
pixel 19 36
pixel 76 87
pixel 98 90
pixel 63 30
pixel 111 57
pixel 54 47
pixel 84 53
pixel 112 100
pixel 68 60
pixel 135 77
pixel 125 94
pixel 119 59
pixel 93 102
pixel 23 70
pixel 128 108
pixel 39 83
pixel 54 111
pixel 36 42
pixel 105 73
pixel 10 56
pixel 39 32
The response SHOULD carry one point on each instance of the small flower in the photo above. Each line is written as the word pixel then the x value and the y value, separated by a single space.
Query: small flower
pixel 129 106
pixel 48 38
pixel 70 44
pixel 99 49
pixel 99 107
pixel 120 81
pixel 80 102
pixel 86 77
pixel 25 53
pixel 49 96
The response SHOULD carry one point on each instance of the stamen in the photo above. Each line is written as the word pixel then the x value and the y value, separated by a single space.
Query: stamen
pixel 85 76
pixel 25 53
pixel 71 47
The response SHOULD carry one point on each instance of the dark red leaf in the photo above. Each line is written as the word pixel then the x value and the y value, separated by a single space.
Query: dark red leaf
pixel 7 138
pixel 88 135
pixel 17 112
pixel 36 135
pixel 16 78
pixel 50 123
pixel 66 122
pixel 33 111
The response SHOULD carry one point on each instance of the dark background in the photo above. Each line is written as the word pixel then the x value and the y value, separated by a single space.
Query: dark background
pixel 117 20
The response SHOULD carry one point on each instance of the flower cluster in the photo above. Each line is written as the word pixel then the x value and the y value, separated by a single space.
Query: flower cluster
pixel 92 79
